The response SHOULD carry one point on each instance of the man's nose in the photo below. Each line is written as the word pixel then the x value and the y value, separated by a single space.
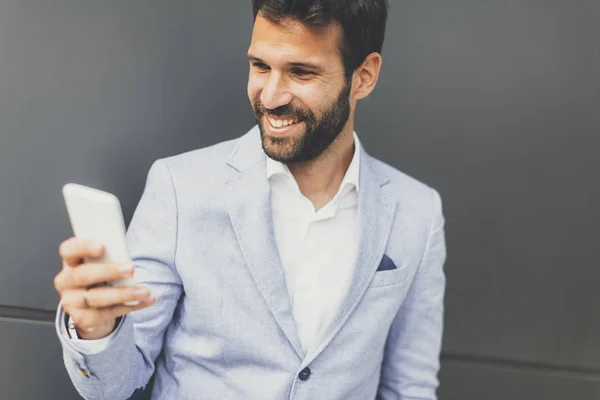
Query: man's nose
pixel 275 93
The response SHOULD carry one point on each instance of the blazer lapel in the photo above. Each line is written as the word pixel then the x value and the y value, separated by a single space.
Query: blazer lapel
pixel 375 215
pixel 248 201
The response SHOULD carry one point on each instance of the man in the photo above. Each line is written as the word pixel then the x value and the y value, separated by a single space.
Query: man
pixel 286 264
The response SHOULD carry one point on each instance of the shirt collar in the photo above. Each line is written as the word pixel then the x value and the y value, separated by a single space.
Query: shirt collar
pixel 350 178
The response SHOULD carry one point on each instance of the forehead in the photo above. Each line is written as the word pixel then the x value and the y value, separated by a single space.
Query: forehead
pixel 291 38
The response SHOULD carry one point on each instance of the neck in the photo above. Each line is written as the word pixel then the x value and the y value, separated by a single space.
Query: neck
pixel 319 180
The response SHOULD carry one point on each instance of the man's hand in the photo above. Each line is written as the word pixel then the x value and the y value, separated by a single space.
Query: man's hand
pixel 94 307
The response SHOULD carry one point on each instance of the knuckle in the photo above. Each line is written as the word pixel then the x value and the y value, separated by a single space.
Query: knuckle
pixel 66 247
pixel 67 301
pixel 71 300
pixel 63 249
pixel 59 282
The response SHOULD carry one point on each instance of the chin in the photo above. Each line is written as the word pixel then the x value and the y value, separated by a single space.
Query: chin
pixel 280 150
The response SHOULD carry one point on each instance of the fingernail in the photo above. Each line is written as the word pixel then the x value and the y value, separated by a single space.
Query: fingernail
pixel 142 292
pixel 125 268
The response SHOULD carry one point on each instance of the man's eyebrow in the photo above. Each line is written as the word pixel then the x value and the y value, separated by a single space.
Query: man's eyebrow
pixel 305 65
pixel 254 58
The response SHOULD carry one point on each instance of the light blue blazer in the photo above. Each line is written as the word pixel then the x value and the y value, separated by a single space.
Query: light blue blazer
pixel 202 239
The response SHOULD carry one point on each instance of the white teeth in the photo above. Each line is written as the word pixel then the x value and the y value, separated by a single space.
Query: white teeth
pixel 279 123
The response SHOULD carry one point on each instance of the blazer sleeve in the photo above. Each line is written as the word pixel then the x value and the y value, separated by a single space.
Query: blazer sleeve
pixel 125 367
pixel 412 351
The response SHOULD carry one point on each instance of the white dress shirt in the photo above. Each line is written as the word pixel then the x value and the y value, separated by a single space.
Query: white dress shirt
pixel 317 250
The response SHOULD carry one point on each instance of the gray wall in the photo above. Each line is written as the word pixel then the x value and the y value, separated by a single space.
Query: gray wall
pixel 493 103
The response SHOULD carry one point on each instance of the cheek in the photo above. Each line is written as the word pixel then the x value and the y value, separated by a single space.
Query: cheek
pixel 313 98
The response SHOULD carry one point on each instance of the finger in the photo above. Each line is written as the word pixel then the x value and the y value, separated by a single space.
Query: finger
pixel 73 250
pixel 92 318
pixel 105 297
pixel 91 274
pixel 73 300
pixel 120 310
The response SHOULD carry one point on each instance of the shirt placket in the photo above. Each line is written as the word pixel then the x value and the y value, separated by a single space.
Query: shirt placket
pixel 304 306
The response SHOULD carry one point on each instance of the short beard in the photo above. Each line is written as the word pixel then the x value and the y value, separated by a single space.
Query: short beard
pixel 318 135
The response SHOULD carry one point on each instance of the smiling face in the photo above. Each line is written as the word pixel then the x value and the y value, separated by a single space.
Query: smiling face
pixel 297 88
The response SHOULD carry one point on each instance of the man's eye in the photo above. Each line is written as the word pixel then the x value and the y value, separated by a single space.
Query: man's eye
pixel 261 66
pixel 302 72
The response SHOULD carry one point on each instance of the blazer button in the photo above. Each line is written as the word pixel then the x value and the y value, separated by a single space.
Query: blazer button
pixel 304 374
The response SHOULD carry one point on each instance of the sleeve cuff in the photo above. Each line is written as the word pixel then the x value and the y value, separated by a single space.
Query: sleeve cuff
pixel 88 347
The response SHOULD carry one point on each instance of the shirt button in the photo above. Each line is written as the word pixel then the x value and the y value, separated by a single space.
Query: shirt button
pixel 304 374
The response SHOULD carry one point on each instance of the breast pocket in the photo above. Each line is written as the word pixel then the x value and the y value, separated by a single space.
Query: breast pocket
pixel 390 277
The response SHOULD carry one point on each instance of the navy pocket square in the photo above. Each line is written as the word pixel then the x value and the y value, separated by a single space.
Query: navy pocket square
pixel 386 264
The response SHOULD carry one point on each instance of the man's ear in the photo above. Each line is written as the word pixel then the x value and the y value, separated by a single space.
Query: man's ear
pixel 366 76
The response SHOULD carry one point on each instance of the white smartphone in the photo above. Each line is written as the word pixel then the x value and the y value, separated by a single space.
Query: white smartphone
pixel 96 215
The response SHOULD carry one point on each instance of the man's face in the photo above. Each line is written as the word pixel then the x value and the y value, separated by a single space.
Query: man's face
pixel 297 88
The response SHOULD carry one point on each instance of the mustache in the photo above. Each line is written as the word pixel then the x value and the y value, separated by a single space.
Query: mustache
pixel 286 110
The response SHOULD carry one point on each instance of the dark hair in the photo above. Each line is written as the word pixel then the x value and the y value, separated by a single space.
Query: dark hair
pixel 362 21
